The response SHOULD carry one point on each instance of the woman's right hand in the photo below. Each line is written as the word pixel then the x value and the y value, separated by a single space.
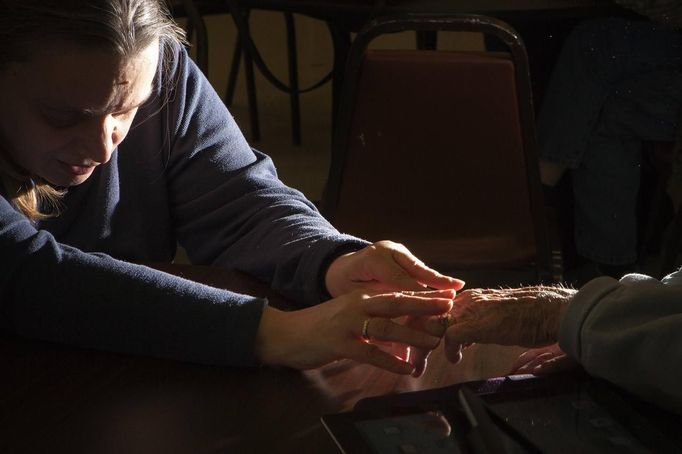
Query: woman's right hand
pixel 315 336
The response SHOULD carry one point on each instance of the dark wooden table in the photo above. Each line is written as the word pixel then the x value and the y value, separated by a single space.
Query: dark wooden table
pixel 56 399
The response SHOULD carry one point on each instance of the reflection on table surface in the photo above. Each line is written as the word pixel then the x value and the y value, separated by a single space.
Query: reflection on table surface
pixel 59 399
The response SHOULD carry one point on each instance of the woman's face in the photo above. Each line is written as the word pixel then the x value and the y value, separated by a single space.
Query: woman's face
pixel 65 109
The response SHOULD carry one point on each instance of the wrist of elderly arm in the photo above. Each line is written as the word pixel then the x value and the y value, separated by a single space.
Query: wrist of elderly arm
pixel 561 308
pixel 553 305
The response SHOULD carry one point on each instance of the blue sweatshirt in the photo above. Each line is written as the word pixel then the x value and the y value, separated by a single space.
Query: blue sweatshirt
pixel 185 174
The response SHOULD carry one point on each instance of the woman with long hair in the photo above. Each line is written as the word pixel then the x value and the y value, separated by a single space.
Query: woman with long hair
pixel 114 148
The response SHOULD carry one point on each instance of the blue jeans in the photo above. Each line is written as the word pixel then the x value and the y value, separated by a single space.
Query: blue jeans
pixel 616 84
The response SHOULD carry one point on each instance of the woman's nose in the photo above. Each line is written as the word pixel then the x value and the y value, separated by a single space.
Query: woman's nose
pixel 101 139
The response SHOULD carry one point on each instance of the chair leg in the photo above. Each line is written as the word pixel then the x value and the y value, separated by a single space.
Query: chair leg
pixel 658 155
pixel 197 26
pixel 234 72
pixel 189 29
pixel 251 95
pixel 293 79
pixel 671 247
pixel 241 50
pixel 653 219
pixel 427 40
pixel 341 43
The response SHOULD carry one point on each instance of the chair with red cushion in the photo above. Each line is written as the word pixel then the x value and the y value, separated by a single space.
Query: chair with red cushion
pixel 436 149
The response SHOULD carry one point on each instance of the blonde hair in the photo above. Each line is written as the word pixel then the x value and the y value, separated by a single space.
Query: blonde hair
pixel 124 27
pixel 28 194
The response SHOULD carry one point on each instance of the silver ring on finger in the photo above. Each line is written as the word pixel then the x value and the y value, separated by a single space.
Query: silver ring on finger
pixel 365 327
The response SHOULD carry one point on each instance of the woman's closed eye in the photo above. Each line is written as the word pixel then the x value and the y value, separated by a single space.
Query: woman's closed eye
pixel 61 119
pixel 125 115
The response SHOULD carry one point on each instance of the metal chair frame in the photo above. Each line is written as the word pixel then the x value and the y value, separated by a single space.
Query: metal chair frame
pixel 548 266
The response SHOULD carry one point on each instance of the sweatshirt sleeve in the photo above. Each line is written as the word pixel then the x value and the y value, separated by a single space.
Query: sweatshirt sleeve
pixel 630 333
pixel 57 293
pixel 228 205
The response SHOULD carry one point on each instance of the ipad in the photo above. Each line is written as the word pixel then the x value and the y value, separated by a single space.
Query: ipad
pixel 531 414
pixel 574 418
pixel 427 429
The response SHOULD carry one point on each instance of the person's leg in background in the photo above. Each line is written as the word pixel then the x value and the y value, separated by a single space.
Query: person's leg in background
pixel 606 183
pixel 606 95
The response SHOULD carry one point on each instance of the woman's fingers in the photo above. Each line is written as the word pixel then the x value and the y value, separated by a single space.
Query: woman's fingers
pixel 417 270
pixel 485 330
pixel 555 364
pixel 445 293
pixel 530 366
pixel 524 359
pixel 412 338
pixel 543 360
pixel 385 330
pixel 371 354
pixel 419 358
pixel 453 352
pixel 387 322
pixel 398 304
pixel 355 326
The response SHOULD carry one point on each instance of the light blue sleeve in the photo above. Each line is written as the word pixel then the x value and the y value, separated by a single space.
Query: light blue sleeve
pixel 630 333
pixel 673 278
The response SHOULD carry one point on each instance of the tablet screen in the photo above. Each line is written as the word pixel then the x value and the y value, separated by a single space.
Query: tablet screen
pixel 419 429
pixel 555 414
pixel 428 432
pixel 566 422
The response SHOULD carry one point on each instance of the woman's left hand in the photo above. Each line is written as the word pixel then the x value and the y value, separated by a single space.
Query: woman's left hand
pixel 384 266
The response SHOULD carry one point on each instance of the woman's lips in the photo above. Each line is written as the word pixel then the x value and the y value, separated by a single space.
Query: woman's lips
pixel 76 169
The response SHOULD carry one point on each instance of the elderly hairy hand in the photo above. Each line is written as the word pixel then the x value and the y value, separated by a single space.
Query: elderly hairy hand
pixel 527 316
